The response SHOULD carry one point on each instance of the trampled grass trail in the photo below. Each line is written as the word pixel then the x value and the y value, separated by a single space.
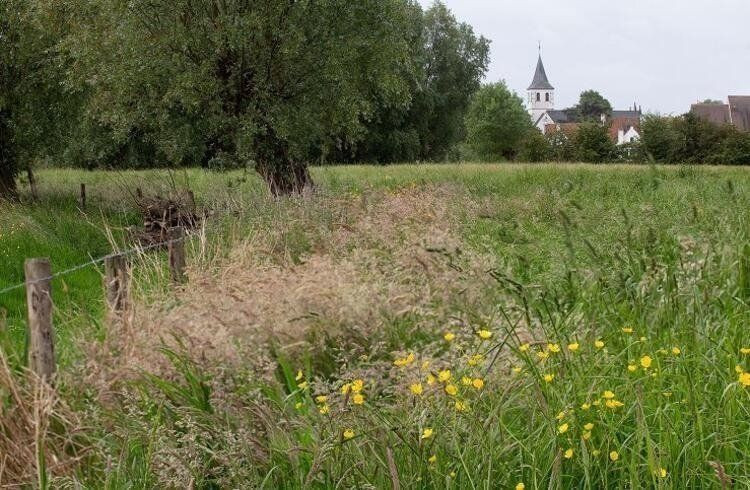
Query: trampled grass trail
pixel 457 326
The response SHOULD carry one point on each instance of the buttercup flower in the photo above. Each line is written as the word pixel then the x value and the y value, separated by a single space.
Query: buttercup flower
pixel 451 389
pixel 549 377
pixel 745 379
pixel 745 350
pixel 586 435
pixel 358 399
pixel 608 395
pixel 475 359
pixel 561 415
pixel 357 385
pixel 614 404
pixel 299 375
pixel 520 486
pixel 627 330
pixel 646 362
pixel 302 385
pixel 324 409
pixel 662 473
pixel 595 452
pixel 444 375
pixel 585 406
pixel 449 336
pixel 430 379
pixel 568 453
pixel 484 334
pixel 598 344
pixel 416 389
pixel 554 348
pixel 588 426
pixel 427 433
pixel 460 406
pixel 478 383
pixel 433 459
pixel 321 398
pixel 632 368
pixel 573 347
pixel 525 347
pixel 563 429
pixel 466 381
pixel 676 351
pixel 348 434
pixel 614 456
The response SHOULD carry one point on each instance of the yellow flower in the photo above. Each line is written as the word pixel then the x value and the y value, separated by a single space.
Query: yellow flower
pixel 598 344
pixel 416 388
pixel 444 375
pixel 632 368
pixel 738 369
pixel 563 429
pixel 425 365
pixel 561 415
pixel 461 406
pixel 348 434
pixel 427 433
pixel 542 355
pixel 613 404
pixel 452 474
pixel 520 486
pixel 321 398
pixel 358 399
pixel 430 379
pixel 596 403
pixel 643 339
pixel 298 405
pixel 588 426
pixel 614 456
pixel 745 350
pixel 405 361
pixel 433 459
pixel 676 351
pixel 554 348
pixel 608 395
pixel 324 409
pixel 449 336
pixel 586 435
pixel 585 406
pixel 345 389
pixel 357 385
pixel 595 452
pixel 516 369
pixel 646 362
pixel 478 383
pixel 573 347
pixel 299 375
pixel 451 389
pixel 745 379
pixel 627 330
pixel 549 377
pixel 475 359
pixel 662 472
pixel 466 381
pixel 484 334
pixel 524 347
pixel 568 453
pixel 302 385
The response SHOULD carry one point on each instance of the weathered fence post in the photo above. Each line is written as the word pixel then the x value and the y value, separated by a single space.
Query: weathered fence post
pixel 83 196
pixel 116 284
pixel 177 254
pixel 39 304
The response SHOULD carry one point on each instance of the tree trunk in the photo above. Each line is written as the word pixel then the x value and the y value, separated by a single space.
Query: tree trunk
pixel 7 183
pixel 7 160
pixel 285 177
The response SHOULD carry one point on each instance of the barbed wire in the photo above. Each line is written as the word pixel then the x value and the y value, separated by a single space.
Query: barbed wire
pixel 97 261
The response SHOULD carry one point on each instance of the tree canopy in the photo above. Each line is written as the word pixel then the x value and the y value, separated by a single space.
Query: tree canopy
pixel 591 106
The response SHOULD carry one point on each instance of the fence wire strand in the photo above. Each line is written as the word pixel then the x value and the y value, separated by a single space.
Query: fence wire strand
pixel 92 262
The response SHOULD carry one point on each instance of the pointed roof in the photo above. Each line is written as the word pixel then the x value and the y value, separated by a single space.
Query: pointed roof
pixel 540 81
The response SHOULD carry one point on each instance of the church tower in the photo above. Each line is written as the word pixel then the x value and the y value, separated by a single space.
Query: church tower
pixel 541 92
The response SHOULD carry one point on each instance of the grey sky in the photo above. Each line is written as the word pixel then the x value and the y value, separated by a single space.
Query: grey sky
pixel 664 54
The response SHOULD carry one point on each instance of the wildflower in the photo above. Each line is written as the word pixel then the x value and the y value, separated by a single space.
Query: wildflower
pixel 662 473
pixel 475 359
pixel 614 456
pixel 516 369
pixel 520 486
pixel 416 389
pixel 449 336
pixel 324 409
pixel 321 398
pixel 302 385
pixel 595 453
pixel 549 377
pixel 427 433
pixel 451 389
pixel 348 434
pixel 608 395
pixel 662 352
pixel 586 435
pixel 461 406
pixel 643 339
pixel 676 351
pixel 478 383
pixel 598 344
pixel 632 368
pixel 430 379
pixel 573 347
pixel 433 459
pixel 405 361
pixel 444 375
pixel 568 453
pixel 745 379
pixel 627 330
pixel 484 334
pixel 596 403
pixel 425 365
pixel 585 406
pixel 588 426
pixel 452 474
pixel 554 348
pixel 346 388
pixel 745 350
pixel 542 355
pixel 646 362
pixel 562 429
pixel 358 399
pixel 667 394
pixel 561 415
pixel 525 347
pixel 299 375
pixel 614 404
pixel 466 381
pixel 738 369
pixel 298 405
pixel 357 385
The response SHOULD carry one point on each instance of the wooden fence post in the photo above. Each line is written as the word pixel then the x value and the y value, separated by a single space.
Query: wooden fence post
pixel 39 304
pixel 83 196
pixel 177 254
pixel 116 284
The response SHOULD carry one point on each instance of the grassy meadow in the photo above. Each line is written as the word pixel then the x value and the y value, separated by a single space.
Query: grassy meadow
pixel 412 326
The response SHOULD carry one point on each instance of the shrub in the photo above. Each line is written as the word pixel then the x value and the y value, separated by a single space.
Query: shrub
pixel 535 147
pixel 593 144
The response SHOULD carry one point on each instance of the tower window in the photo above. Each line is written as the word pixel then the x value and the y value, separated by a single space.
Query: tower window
pixel 546 97
pixel 538 97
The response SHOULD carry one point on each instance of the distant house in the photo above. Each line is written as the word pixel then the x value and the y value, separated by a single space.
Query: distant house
pixel 736 112
pixel 624 126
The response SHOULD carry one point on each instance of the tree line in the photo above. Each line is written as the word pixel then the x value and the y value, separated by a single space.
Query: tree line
pixel 225 83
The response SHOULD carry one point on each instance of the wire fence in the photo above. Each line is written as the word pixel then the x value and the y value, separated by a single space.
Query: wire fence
pixel 92 262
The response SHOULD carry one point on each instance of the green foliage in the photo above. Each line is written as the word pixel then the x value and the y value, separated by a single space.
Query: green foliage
pixel 593 144
pixel 592 105
pixel 496 122
pixel 535 147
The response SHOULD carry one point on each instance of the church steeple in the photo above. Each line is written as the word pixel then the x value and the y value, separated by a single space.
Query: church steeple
pixel 541 92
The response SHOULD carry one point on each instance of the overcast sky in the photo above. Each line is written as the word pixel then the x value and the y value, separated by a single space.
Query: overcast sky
pixel 664 54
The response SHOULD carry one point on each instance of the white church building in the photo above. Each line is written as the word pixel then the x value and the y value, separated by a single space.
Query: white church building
pixel 623 125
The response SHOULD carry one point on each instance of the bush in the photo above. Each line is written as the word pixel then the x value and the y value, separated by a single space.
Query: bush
pixel 535 147
pixel 593 144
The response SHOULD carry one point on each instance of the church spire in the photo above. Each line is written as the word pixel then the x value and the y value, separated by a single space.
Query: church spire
pixel 540 81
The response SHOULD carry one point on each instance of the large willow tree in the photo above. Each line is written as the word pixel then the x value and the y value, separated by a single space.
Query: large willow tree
pixel 263 81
